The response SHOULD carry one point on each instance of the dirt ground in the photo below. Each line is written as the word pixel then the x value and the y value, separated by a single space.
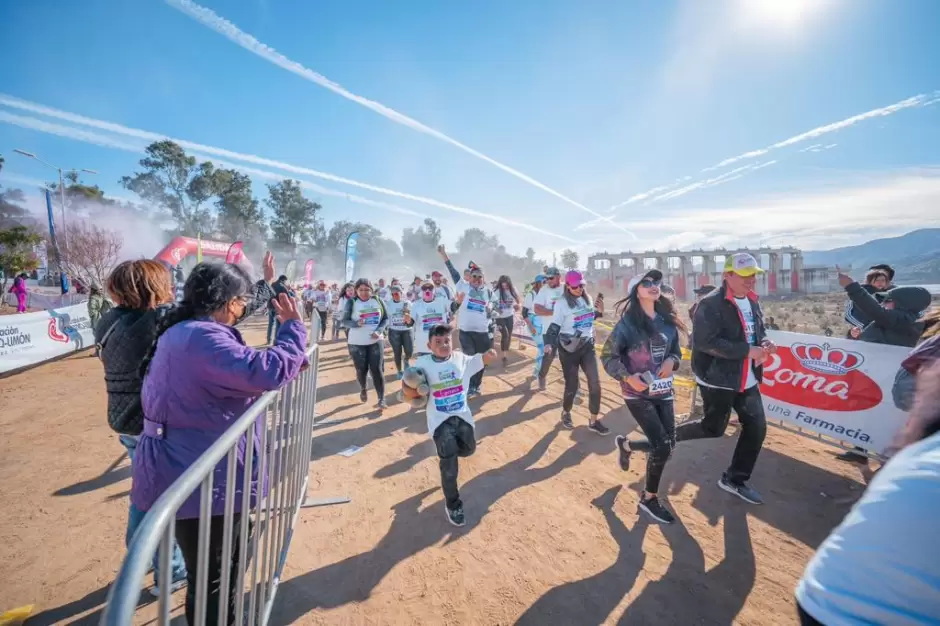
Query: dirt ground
pixel 553 534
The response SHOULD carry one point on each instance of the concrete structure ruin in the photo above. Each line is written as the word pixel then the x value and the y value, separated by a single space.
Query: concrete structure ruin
pixel 685 270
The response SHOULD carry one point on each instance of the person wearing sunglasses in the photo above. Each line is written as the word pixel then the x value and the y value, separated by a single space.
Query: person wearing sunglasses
pixel 428 312
pixel 571 333
pixel 543 305
pixel 641 353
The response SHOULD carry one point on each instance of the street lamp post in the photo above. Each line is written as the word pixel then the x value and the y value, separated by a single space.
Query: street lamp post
pixel 30 155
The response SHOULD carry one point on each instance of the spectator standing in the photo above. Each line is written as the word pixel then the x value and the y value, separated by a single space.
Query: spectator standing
pixel 20 291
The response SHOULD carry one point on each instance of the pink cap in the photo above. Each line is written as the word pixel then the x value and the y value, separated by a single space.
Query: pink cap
pixel 574 278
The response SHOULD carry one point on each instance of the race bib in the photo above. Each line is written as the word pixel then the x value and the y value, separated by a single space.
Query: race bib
pixel 370 317
pixel 430 321
pixel 660 387
pixel 448 396
pixel 583 320
pixel 476 305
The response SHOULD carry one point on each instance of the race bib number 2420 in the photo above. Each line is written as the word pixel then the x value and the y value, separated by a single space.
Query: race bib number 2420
pixel 661 387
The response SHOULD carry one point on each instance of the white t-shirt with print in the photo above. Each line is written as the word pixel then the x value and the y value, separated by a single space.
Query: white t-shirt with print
pixel 426 316
pixel 505 304
pixel 321 299
pixel 449 381
pixel 384 293
pixel 747 313
pixel 547 297
pixel 371 312
pixel 474 313
pixel 340 307
pixel 307 294
pixel 396 314
pixel 572 320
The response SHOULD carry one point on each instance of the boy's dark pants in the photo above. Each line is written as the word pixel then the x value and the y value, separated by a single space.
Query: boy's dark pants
pixel 453 438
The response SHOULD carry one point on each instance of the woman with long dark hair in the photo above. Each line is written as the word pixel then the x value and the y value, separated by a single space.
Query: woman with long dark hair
pixel 571 333
pixel 346 293
pixel 641 353
pixel 881 565
pixel 508 302
pixel 199 376
pixel 366 320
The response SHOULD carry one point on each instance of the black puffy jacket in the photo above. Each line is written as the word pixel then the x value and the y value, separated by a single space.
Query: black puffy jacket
pixel 900 326
pixel 130 333
pixel 719 340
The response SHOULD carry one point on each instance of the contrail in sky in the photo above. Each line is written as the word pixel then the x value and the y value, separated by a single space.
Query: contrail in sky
pixel 230 31
pixel 111 142
pixel 920 100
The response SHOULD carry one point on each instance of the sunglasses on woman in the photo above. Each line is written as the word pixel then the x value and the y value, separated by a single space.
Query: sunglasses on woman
pixel 649 282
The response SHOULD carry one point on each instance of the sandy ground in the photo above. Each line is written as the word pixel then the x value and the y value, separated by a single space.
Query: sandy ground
pixel 553 533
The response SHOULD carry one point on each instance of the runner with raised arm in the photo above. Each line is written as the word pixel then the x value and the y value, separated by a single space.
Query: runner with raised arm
pixel 544 307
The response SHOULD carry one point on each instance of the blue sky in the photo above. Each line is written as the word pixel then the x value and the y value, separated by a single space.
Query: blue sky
pixel 592 104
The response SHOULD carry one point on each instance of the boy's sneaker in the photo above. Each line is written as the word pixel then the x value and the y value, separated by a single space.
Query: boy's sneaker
pixel 473 392
pixel 363 396
pixel 655 509
pixel 566 420
pixel 175 586
pixel 597 427
pixel 742 490
pixel 542 384
pixel 624 451
pixel 455 516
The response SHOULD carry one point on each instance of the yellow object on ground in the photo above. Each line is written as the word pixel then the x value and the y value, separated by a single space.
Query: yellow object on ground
pixel 16 616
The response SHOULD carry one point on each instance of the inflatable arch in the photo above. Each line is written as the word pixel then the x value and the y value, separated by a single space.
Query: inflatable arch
pixel 181 247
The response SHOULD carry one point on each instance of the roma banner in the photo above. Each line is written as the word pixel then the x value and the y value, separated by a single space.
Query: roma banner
pixel 234 254
pixel 836 387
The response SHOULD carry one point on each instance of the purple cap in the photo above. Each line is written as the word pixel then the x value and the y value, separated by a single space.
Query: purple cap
pixel 574 278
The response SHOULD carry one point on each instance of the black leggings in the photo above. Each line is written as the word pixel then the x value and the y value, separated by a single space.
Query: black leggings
pixel 657 420
pixel 571 362
pixel 402 342
pixel 187 536
pixel 505 330
pixel 369 360
pixel 322 323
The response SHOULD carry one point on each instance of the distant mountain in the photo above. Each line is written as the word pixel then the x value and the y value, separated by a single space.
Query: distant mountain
pixel 914 256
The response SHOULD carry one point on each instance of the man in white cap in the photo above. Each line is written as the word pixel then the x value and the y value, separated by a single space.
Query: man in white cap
pixel 729 347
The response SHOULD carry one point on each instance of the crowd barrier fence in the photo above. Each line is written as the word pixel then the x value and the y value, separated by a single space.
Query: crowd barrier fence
pixel 282 421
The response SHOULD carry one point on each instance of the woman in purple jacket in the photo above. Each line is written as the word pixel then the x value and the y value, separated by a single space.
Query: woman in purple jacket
pixel 199 378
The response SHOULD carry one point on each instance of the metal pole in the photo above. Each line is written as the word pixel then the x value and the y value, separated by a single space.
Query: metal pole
pixel 65 230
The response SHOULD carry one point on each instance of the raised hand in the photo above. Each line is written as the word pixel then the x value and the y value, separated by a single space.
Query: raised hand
pixel 268 267
pixel 285 308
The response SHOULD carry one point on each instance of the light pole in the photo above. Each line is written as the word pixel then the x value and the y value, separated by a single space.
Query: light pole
pixel 30 155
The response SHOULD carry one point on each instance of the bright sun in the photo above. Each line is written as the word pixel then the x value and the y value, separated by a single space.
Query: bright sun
pixel 780 14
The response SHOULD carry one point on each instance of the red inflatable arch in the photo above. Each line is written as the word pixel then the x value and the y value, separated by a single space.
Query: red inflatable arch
pixel 181 247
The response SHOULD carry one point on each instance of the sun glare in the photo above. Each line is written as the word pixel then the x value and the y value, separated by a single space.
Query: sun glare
pixel 779 14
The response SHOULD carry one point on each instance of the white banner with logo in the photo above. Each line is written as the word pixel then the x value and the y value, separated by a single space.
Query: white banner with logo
pixel 837 387
pixel 30 338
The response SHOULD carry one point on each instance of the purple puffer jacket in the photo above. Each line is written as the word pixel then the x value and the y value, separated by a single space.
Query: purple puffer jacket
pixel 201 379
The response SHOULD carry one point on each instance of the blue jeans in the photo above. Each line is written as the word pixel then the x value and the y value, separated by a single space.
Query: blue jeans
pixel 273 325
pixel 539 344
pixel 134 518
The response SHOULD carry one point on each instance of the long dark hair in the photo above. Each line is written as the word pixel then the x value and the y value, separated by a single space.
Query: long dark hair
pixel 572 300
pixel 512 290
pixel 208 289
pixel 342 292
pixel 630 308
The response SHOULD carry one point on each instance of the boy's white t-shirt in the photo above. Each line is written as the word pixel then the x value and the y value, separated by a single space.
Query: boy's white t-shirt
pixel 321 299
pixel 449 381
pixel 571 320
pixel 474 313
pixel 371 312
pixel 547 297
pixel 427 315
pixel 396 314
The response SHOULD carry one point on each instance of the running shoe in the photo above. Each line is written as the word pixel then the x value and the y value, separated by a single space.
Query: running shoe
pixel 400 375
pixel 363 395
pixel 742 490
pixel 455 516
pixel 625 452
pixel 382 405
pixel 473 392
pixel 175 586
pixel 566 420
pixel 599 428
pixel 655 509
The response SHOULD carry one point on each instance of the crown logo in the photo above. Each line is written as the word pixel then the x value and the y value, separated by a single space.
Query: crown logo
pixel 826 360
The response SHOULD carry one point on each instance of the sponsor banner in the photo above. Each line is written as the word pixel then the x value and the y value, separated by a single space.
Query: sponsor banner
pixel 308 271
pixel 234 254
pixel 30 338
pixel 352 242
pixel 836 387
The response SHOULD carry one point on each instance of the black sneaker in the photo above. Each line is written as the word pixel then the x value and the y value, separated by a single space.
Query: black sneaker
pixel 363 396
pixel 505 361
pixel 851 456
pixel 542 384
pixel 742 490
pixel 455 516
pixel 599 428
pixel 566 420
pixel 625 452
pixel 655 509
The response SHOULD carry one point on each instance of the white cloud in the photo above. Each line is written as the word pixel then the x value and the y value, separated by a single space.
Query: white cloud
pixel 9 178
pixel 228 155
pixel 230 31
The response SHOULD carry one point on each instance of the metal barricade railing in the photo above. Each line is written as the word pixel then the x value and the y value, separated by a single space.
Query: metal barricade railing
pixel 286 418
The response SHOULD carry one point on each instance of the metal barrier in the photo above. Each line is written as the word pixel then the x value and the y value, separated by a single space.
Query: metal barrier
pixel 286 421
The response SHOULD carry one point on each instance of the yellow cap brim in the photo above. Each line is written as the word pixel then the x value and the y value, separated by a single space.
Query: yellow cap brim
pixel 747 272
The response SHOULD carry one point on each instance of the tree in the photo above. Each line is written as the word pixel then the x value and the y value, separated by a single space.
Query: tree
pixel 11 213
pixel 18 252
pixel 92 253
pixel 174 181
pixel 569 259
pixel 239 215
pixel 474 240
pixel 295 219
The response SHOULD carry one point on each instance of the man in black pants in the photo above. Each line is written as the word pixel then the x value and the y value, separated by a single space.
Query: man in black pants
pixel 729 347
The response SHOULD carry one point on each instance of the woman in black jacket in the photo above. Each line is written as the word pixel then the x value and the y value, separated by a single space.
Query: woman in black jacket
pixel 144 295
